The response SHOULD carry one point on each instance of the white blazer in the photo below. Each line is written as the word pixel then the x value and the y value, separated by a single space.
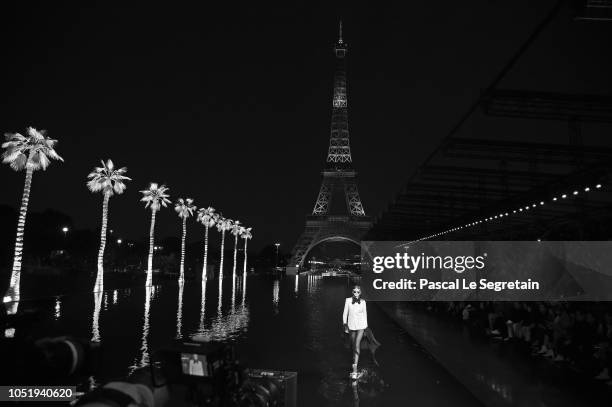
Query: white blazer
pixel 355 315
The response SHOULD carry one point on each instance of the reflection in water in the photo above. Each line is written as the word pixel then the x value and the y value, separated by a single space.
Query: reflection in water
pixel 179 311
pixel 154 290
pixel 297 279
pixel 11 307
pixel 202 307
pixel 105 301
pixel 95 327
pixel 149 291
pixel 244 281
pixel 233 290
pixel 313 283
pixel 58 307
pixel 275 294
pixel 115 295
pixel 220 295
pixel 355 394
pixel 225 326
pixel 502 389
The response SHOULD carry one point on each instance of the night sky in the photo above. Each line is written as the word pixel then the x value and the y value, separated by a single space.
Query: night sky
pixel 232 106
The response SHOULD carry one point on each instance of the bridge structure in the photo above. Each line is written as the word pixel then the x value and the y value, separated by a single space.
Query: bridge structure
pixel 338 213
pixel 514 186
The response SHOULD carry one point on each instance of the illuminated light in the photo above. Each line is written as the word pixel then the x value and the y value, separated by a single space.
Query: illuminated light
pixel 563 196
pixel 506 213
pixel 575 192
pixel 65 229
pixel 514 211
pixel 58 308
pixel 521 210
pixel 541 202
pixel 539 240
pixel 598 186
pixel 119 241
pixel 555 198
pixel 95 326
pixel 534 205
pixel 587 189
pixel 179 311
pixel 526 208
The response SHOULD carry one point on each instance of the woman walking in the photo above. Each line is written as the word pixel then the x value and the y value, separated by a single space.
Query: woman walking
pixel 355 320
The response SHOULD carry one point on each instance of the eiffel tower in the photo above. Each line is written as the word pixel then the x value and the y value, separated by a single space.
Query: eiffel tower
pixel 331 220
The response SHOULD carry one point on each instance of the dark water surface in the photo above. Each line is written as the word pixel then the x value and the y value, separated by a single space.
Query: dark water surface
pixel 291 323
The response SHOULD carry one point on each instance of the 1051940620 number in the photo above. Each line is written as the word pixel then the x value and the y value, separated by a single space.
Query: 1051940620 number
pixel 41 393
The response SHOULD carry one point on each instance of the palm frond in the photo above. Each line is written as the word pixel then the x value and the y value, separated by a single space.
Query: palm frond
pixel 34 151
pixel 107 179
pixel 184 207
pixel 156 196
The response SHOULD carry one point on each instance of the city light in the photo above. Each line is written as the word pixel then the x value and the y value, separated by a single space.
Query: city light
pixel 119 241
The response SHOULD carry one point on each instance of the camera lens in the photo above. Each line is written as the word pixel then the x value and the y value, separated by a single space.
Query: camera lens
pixel 66 356
pixel 264 392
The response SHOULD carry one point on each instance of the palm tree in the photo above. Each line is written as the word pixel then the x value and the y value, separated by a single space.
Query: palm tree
pixel 185 209
pixel 236 232
pixel 223 225
pixel 207 217
pixel 32 152
pixel 108 180
pixel 155 197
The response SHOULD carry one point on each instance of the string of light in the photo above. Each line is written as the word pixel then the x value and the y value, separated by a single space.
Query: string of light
pixel 516 211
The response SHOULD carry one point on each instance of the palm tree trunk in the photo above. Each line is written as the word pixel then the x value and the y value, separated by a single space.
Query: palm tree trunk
pixel 100 277
pixel 12 294
pixel 182 276
pixel 150 259
pixel 222 250
pixel 179 312
pixel 235 253
pixel 145 328
pixel 233 291
pixel 204 267
pixel 244 272
pixel 202 308
pixel 221 273
pixel 95 327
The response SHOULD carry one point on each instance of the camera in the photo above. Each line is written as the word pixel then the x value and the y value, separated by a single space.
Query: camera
pixel 57 360
pixel 209 374
pixel 48 360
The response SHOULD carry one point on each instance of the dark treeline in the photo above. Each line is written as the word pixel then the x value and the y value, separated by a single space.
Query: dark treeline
pixel 50 250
